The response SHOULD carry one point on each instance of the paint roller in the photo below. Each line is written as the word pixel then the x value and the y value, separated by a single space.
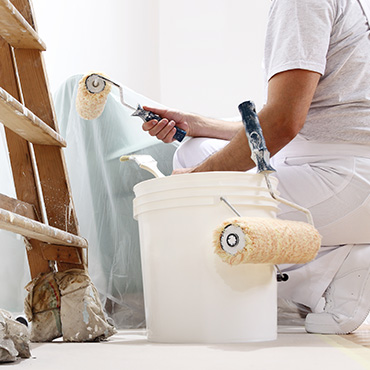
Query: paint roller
pixel 92 94
pixel 265 240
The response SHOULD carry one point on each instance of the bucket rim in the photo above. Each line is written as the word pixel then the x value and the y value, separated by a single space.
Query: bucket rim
pixel 187 179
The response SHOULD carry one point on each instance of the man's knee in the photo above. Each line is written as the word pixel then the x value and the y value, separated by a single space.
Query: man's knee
pixel 195 150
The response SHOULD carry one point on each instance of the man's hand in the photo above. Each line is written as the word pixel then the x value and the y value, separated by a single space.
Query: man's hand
pixel 165 129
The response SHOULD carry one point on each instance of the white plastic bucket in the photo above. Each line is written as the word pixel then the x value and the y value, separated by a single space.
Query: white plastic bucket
pixel 190 295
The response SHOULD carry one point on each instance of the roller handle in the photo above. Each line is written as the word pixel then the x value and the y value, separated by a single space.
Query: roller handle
pixel 179 135
pixel 147 115
pixel 259 151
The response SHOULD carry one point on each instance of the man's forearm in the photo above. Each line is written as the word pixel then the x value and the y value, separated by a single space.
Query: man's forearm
pixel 236 156
pixel 215 128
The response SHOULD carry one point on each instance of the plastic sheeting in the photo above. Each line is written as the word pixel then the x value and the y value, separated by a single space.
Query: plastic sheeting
pixel 102 188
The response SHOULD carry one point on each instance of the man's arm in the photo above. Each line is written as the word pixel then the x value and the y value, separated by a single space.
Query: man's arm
pixel 290 95
pixel 194 125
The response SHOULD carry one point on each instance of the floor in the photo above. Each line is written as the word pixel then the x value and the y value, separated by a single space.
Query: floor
pixel 129 349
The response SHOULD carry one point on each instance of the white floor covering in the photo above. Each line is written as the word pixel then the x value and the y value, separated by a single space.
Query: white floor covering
pixel 130 349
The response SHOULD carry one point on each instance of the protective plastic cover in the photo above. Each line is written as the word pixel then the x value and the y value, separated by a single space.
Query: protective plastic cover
pixel 102 189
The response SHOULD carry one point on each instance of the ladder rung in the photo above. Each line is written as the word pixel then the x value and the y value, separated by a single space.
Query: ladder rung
pixel 16 30
pixel 61 253
pixel 36 230
pixel 18 207
pixel 23 122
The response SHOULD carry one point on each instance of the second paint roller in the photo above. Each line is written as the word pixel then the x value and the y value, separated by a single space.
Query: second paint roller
pixel 92 94
pixel 265 240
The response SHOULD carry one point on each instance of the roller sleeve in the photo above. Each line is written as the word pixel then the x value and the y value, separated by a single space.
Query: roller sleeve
pixel 266 240
pixel 90 105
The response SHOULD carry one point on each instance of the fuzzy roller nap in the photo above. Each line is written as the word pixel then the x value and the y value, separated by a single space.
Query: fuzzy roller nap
pixel 266 240
pixel 91 96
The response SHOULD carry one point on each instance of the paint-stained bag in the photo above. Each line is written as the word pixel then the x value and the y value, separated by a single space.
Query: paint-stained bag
pixel 65 304
pixel 14 338
pixel 42 308
pixel 81 311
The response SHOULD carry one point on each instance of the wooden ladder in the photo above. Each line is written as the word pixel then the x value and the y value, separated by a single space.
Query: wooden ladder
pixel 43 211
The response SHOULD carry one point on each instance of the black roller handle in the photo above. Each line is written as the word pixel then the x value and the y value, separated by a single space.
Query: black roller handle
pixel 259 151
pixel 147 116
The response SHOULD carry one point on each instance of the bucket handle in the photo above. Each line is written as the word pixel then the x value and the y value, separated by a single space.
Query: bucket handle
pixel 223 199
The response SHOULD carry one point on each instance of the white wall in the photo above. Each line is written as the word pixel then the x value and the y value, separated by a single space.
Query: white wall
pixel 211 53
pixel 107 36
pixel 203 55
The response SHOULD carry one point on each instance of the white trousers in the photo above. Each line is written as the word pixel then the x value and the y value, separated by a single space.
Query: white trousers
pixel 331 180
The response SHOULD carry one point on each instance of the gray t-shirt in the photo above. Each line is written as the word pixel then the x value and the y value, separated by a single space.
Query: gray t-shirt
pixel 330 37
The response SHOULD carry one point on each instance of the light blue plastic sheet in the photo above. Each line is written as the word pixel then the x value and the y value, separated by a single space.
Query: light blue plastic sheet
pixel 102 189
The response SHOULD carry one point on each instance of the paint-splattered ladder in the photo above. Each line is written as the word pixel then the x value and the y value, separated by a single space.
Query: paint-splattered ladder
pixel 43 211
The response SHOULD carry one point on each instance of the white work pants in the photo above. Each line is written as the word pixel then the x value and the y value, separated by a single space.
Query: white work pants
pixel 333 182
